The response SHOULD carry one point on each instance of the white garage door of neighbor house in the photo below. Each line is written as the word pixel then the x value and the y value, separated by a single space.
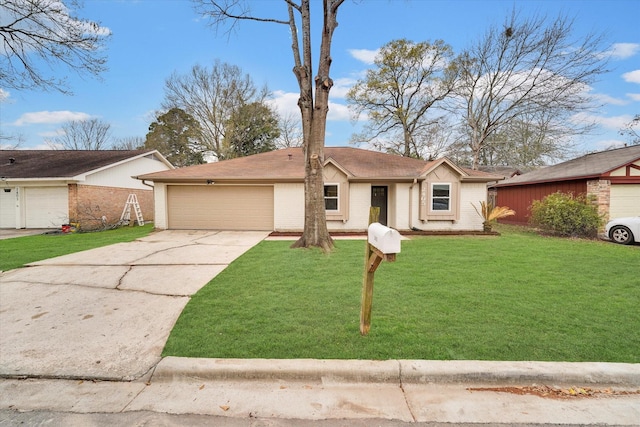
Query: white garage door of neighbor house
pixel 46 207
pixel 217 207
pixel 624 200
pixel 8 208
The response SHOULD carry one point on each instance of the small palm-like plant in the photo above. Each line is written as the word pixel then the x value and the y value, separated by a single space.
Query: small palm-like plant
pixel 490 214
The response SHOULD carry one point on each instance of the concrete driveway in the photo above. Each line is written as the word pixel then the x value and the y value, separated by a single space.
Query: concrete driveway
pixel 106 313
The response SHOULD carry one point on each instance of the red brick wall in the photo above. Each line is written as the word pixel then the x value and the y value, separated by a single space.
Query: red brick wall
pixel 88 204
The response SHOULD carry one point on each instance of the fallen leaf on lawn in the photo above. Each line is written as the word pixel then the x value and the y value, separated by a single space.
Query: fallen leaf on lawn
pixel 201 387
pixel 224 407
pixel 282 387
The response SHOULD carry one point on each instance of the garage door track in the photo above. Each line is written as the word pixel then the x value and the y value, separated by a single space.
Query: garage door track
pixel 106 313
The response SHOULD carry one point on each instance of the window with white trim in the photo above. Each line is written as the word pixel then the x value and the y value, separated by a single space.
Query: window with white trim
pixel 440 197
pixel 331 198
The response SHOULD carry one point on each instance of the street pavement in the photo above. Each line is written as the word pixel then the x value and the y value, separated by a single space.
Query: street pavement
pixel 81 338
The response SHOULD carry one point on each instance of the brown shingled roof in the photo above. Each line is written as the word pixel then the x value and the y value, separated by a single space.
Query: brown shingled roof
pixel 29 164
pixel 288 165
pixel 588 166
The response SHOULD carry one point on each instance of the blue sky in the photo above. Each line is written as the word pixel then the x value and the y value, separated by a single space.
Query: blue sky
pixel 153 38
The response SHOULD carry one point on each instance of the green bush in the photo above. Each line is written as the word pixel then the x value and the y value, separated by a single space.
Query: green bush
pixel 566 215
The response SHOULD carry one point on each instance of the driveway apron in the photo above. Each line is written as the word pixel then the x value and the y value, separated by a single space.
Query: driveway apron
pixel 106 313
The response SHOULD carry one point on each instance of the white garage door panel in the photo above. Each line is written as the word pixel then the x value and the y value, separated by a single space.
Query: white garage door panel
pixel 46 207
pixel 625 200
pixel 8 208
pixel 220 208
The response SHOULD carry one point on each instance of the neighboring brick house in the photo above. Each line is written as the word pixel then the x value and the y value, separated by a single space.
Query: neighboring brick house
pixel 48 188
pixel 611 178
pixel 266 192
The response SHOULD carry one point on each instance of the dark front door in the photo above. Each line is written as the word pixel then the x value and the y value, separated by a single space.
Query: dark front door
pixel 379 200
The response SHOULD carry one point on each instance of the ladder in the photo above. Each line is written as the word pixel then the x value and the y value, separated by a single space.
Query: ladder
pixel 125 218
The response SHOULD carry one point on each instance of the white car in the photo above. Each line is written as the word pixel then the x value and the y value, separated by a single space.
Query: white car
pixel 624 230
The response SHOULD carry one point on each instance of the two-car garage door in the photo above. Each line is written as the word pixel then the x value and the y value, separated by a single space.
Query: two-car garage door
pixel 218 207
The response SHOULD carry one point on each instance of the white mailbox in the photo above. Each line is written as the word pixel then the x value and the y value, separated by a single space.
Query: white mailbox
pixel 383 238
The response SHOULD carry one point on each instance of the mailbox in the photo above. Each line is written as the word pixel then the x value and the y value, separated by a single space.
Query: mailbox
pixel 383 238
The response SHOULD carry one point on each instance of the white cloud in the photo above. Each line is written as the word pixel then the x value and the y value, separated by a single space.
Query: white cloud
pixel 364 55
pixel 51 134
pixel 613 123
pixel 608 144
pixel 606 99
pixel 286 103
pixel 622 50
pixel 338 112
pixel 4 95
pixel 634 96
pixel 632 76
pixel 50 117
pixel 341 87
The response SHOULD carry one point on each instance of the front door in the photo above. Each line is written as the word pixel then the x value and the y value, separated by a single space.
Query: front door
pixel 379 200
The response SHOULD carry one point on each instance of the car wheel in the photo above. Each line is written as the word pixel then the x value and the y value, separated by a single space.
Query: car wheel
pixel 621 234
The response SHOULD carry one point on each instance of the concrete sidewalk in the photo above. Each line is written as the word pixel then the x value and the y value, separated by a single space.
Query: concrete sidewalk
pixel 268 392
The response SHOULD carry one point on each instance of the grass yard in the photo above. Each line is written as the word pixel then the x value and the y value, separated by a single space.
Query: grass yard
pixel 19 251
pixel 519 296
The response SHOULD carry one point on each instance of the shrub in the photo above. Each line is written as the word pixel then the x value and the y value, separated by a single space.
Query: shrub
pixel 566 215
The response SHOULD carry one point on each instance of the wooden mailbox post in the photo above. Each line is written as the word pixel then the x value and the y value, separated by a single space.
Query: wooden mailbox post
pixel 383 243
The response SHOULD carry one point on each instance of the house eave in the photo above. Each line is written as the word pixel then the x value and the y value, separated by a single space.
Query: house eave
pixel 54 179
pixel 550 180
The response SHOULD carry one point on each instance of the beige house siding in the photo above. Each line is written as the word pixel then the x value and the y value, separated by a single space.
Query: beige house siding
pixel 443 174
pixel 288 201
pixel 333 175
pixel 359 204
pixel 468 218
pixel 160 205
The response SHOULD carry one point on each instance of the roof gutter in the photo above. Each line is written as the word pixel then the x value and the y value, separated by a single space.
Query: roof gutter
pixel 546 181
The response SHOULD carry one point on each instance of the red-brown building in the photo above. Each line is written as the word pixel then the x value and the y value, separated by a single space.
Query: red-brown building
pixel 612 177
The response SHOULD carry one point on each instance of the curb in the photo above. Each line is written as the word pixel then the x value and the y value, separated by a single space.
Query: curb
pixel 400 371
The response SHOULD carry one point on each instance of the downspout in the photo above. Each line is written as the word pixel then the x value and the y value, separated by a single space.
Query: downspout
pixel 148 185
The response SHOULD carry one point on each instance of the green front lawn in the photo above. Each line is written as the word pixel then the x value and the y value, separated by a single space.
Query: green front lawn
pixel 514 297
pixel 19 251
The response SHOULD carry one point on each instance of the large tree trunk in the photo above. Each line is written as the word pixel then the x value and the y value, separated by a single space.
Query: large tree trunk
pixel 315 232
pixel 314 121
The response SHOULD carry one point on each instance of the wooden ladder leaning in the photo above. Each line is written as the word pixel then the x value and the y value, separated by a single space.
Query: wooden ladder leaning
pixel 132 201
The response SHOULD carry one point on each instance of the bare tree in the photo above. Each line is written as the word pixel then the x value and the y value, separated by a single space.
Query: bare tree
pixel 290 132
pixel 91 134
pixel 48 31
pixel 10 141
pixel 398 95
pixel 314 104
pixel 532 139
pixel 129 143
pixel 211 96
pixel 632 130
pixel 526 68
